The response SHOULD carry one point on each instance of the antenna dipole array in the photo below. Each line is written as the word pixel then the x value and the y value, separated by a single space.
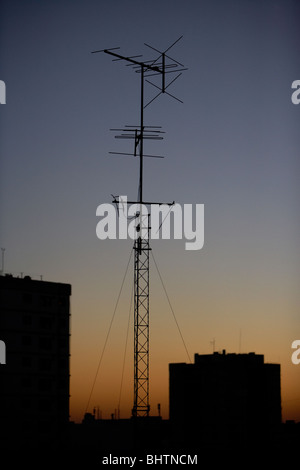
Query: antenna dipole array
pixel 161 66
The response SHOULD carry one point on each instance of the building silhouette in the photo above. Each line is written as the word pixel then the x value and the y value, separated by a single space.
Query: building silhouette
pixel 34 382
pixel 222 401
pixel 225 400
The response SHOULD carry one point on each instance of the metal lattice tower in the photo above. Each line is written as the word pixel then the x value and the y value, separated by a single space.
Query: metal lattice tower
pixel 142 248
pixel 163 64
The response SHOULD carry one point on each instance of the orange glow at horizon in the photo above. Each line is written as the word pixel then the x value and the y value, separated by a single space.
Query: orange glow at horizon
pixel 166 347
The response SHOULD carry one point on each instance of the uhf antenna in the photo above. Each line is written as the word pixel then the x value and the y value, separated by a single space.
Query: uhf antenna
pixel 163 67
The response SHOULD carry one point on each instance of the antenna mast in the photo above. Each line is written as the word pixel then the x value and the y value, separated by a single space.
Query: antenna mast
pixel 159 66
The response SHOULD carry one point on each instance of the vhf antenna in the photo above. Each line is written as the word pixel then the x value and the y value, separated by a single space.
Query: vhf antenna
pixel 162 65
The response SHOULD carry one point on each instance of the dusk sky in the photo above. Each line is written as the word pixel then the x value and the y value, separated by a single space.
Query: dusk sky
pixel 233 145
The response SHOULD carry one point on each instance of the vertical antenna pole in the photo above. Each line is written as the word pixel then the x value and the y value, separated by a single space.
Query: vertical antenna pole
pixel 141 142
pixel 163 87
pixel 141 405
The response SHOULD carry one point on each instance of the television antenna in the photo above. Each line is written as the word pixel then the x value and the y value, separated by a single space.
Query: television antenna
pixel 164 67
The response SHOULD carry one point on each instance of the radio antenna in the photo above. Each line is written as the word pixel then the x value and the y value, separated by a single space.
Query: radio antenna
pixel 162 66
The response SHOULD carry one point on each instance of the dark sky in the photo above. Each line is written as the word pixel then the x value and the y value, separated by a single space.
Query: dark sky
pixel 232 146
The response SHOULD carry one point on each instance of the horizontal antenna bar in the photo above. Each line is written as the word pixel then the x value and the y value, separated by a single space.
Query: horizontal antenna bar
pixel 145 62
pixel 133 128
pixel 104 50
pixel 146 203
pixel 145 127
pixel 148 137
pixel 130 57
pixel 146 134
pixel 159 64
pixel 170 71
pixel 132 155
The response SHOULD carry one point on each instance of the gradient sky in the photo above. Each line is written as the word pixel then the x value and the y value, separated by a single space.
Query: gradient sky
pixel 233 146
